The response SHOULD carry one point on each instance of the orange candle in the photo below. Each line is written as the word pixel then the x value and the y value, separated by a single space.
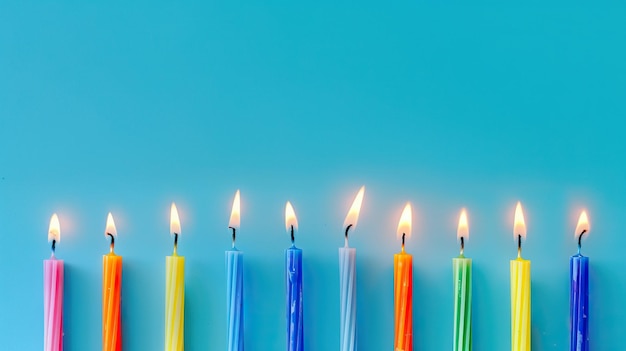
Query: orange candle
pixel 403 287
pixel 111 294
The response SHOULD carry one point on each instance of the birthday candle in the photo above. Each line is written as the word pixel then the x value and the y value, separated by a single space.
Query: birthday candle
pixel 174 291
pixel 347 281
pixel 520 289
pixel 53 292
pixel 462 273
pixel 293 280
pixel 111 294
pixel 403 287
pixel 579 295
pixel 234 284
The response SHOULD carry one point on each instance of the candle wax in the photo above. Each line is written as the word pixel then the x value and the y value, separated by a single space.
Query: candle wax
pixel 111 302
pixel 520 304
pixel 347 298
pixel 174 303
pixel 293 279
pixel 234 299
pixel 403 300
pixel 53 271
pixel 462 275
pixel 579 302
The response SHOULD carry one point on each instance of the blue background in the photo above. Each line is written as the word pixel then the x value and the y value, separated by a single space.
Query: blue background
pixel 128 107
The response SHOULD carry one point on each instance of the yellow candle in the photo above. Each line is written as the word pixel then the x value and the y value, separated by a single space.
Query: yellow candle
pixel 111 294
pixel 520 290
pixel 174 292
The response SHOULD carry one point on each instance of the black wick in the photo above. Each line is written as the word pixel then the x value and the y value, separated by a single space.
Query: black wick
pixel 54 245
pixel 462 245
pixel 580 237
pixel 519 245
pixel 293 239
pixel 347 229
pixel 403 236
pixel 112 241
pixel 175 241
pixel 234 234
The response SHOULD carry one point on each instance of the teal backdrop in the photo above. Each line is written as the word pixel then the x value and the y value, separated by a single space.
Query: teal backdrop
pixel 126 107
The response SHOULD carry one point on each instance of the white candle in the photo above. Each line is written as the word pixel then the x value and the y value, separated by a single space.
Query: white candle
pixel 347 280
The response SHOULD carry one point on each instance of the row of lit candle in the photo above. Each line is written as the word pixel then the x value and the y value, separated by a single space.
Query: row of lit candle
pixel 403 288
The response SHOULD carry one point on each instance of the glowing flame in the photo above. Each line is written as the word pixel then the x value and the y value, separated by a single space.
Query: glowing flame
pixel 54 230
pixel 519 227
pixel 235 212
pixel 583 224
pixel 174 220
pixel 353 214
pixel 110 229
pixel 404 226
pixel 463 229
pixel 290 218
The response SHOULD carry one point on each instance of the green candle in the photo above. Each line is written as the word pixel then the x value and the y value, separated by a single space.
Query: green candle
pixel 462 273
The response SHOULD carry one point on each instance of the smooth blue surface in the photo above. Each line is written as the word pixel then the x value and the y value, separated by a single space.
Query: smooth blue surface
pixel 126 107
pixel 579 303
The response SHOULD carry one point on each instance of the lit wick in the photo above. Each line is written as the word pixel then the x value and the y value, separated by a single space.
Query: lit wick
pixel 347 229
pixel 234 235
pixel 403 236
pixel 462 245
pixel 112 242
pixel 293 239
pixel 519 245
pixel 54 246
pixel 580 237
pixel 175 243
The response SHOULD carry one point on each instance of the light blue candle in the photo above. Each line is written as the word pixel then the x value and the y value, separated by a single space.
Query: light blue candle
pixel 347 293
pixel 234 285
pixel 293 283
pixel 234 298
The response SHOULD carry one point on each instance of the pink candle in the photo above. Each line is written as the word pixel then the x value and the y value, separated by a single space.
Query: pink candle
pixel 53 293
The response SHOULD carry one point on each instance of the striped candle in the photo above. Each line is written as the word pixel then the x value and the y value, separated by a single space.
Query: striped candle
pixel 520 290
pixel 174 291
pixel 347 294
pixel 53 293
pixel 462 275
pixel 234 299
pixel 403 288
pixel 111 294
pixel 347 280
pixel 579 293
pixel 293 286
pixel 234 283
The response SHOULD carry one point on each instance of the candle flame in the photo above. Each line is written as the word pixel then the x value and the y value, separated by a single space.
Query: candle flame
pixel 519 226
pixel 404 225
pixel 583 224
pixel 54 230
pixel 235 212
pixel 290 218
pixel 353 215
pixel 110 228
pixel 174 220
pixel 463 229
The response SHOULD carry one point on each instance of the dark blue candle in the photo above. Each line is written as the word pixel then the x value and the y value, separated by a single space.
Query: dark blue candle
pixel 579 295
pixel 293 282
